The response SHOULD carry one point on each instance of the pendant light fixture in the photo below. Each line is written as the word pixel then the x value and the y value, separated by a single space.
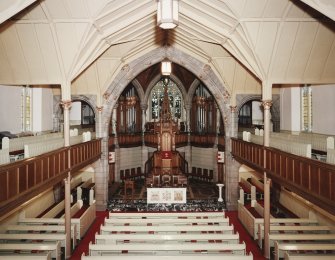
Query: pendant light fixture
pixel 167 13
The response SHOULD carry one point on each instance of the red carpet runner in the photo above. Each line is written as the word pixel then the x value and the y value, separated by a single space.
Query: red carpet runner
pixel 244 236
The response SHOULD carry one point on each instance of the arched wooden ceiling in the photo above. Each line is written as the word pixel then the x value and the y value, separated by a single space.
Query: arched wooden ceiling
pixel 87 42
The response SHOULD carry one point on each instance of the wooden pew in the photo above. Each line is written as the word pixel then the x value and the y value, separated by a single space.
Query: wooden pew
pixel 4 156
pixel 150 238
pixel 179 221
pixel 251 223
pixel 29 237
pixel 327 238
pixel 166 215
pixel 82 223
pixel 293 256
pixel 161 249
pixel 280 248
pixel 275 229
pixel 36 256
pixel 53 248
pixel 166 229
pixel 171 257
pixel 36 229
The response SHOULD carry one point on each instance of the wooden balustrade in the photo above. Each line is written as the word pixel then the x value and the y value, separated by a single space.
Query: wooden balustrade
pixel 24 179
pixel 203 140
pixel 313 180
pixel 151 139
pixel 129 140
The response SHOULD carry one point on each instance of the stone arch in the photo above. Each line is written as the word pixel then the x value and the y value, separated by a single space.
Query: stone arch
pixel 58 112
pixel 275 108
pixel 128 72
pixel 201 70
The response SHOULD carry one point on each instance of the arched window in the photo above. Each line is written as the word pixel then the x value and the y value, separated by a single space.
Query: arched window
pixel 175 98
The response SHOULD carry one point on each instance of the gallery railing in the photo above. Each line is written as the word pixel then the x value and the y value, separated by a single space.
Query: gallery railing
pixel 311 179
pixel 24 179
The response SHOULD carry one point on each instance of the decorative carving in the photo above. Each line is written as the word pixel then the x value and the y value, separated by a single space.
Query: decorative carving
pixel 99 109
pixel 66 104
pixel 267 104
pixel 106 95
pixel 233 109
pixel 126 68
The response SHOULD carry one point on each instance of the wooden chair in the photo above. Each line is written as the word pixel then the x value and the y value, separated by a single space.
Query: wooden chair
pixel 138 172
pixel 166 180
pixel 133 173
pixel 129 185
pixel 122 176
pixel 127 174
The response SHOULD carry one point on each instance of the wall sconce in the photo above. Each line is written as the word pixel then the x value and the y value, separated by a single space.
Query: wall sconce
pixel 166 67
pixel 167 13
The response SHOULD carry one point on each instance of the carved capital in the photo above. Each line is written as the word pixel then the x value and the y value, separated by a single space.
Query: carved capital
pixel 99 109
pixel 233 109
pixel 267 104
pixel 66 104
pixel 106 95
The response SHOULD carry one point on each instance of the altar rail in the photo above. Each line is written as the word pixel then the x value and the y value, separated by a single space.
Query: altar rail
pixel 24 179
pixel 309 178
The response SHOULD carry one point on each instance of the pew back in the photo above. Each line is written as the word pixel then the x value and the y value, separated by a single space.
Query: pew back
pixel 174 229
pixel 129 238
pixel 138 222
pixel 97 249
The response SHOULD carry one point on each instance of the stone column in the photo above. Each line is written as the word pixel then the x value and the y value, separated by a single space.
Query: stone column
pixel 231 166
pixel 266 215
pixel 234 121
pixel 67 203
pixel 67 183
pixel 267 105
pixel 66 111
pixel 144 109
pixel 98 122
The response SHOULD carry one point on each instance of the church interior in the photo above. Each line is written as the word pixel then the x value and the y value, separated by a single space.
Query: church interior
pixel 167 129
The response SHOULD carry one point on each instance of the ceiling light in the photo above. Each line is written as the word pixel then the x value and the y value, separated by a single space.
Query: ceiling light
pixel 166 67
pixel 167 13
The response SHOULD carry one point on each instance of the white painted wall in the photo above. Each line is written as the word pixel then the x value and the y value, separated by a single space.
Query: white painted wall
pixel 10 108
pixel 42 109
pixel 290 109
pixel 75 113
pixel 323 109
pixel 257 113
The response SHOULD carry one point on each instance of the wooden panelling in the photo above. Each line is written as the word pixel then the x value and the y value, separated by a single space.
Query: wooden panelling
pixel 24 179
pixel 314 180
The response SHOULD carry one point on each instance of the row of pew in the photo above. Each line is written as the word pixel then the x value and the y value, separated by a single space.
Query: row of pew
pixel 177 235
pixel 289 238
pixel 44 237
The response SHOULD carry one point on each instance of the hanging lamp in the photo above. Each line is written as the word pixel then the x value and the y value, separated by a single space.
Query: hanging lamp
pixel 167 13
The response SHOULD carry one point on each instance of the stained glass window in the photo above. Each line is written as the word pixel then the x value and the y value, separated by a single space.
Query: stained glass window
pixel 175 97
